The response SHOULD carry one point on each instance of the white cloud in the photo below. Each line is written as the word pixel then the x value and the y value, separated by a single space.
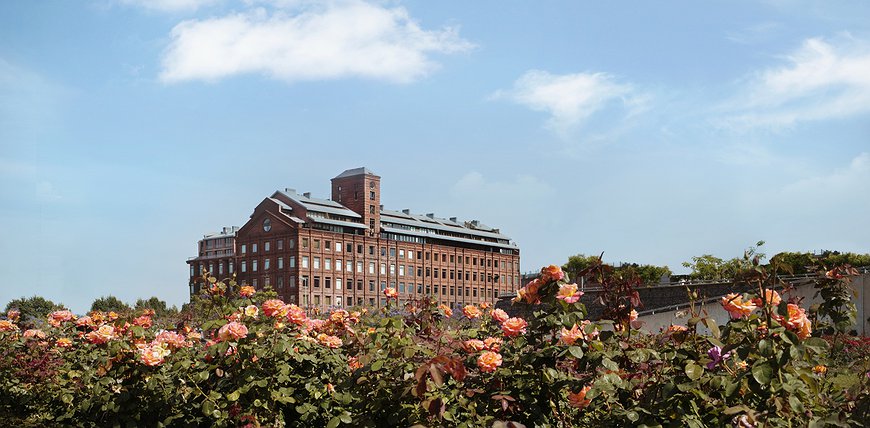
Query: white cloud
pixel 170 5
pixel 326 41
pixel 569 99
pixel 820 81
pixel 847 186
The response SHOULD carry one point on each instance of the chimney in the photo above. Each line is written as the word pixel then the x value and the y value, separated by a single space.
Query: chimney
pixel 406 211
pixel 307 194
pixel 453 219
pixel 431 215
pixel 289 190
pixel 475 223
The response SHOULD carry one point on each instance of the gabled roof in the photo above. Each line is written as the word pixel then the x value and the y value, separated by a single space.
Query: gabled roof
pixel 356 171
pixel 319 205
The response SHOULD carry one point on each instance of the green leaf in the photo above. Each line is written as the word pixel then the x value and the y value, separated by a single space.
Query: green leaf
pixel 762 372
pixel 377 365
pixel 576 351
pixel 333 422
pixel 694 371
pixel 817 344
pixel 765 347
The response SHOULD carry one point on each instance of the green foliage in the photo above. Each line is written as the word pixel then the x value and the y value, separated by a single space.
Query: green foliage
pixel 251 360
pixel 648 274
pixel 33 309
pixel 110 304
pixel 158 306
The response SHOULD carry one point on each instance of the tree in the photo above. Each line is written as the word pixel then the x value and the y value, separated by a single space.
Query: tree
pixel 648 274
pixel 33 309
pixel 578 262
pixel 157 305
pixel 710 267
pixel 109 303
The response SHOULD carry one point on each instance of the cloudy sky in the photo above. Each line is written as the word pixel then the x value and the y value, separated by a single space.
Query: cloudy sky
pixel 652 131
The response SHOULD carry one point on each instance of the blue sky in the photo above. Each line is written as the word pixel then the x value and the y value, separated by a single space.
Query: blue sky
pixel 652 131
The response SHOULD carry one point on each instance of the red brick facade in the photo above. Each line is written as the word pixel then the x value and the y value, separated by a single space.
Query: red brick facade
pixel 325 253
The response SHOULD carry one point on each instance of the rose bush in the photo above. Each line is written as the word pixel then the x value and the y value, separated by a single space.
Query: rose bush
pixel 241 357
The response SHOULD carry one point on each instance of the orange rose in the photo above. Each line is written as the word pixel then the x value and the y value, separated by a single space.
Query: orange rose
pixel 247 291
pixel 296 315
pixel 391 293
pixel 514 327
pixel 499 315
pixel 447 311
pixel 6 325
pixel 473 345
pixel 274 308
pixel 552 273
pixel 102 335
pixel 569 337
pixel 13 315
pixel 329 341
pixel 579 399
pixel 353 363
pixel 471 311
pixel 34 334
pixel 144 321
pixel 569 293
pixel 232 331
pixel 484 306
pixel 153 355
pixel 489 361
pixel 797 321
pixel 171 339
pixel 736 307
pixel 820 370
pixel 57 317
pixel 493 343
pixel 771 296
pixel 63 342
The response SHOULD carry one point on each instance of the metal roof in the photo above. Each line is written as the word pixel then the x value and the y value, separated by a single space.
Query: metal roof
pixel 355 171
pixel 321 205
pixel 436 223
pixel 446 237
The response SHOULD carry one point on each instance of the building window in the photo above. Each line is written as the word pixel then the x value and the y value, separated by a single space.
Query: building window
pixel 280 262
pixel 327 245
pixel 371 286
pixel 244 248
pixel 371 267
pixel 327 282
pixel 401 254
pixel 266 264
pixel 349 266
pixel 371 209
pixel 359 267
pixel 191 270
pixel 280 282
pixel 350 284
pixel 392 253
pixel 327 263
pixel 231 267
pixel 305 262
pixel 292 261
pixel 338 264
pixel 359 284
pixel 220 268
pixel 316 282
pixel 317 263
pixel 280 244
pixel 349 301
pixel 316 244
pixel 305 280
pixel 244 266
pixel 304 242
pixel 401 270
pixel 266 246
pixel 254 282
pixel 349 247
pixel 267 281
pixel 338 246
pixel 253 248
pixel 254 265
pixel 383 269
pixel 392 269
pixel 371 250
pixel 291 243
pixel 372 195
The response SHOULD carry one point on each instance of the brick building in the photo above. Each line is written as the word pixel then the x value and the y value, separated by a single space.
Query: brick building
pixel 216 253
pixel 345 250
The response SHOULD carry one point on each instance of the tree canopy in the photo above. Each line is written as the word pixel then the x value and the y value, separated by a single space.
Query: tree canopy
pixel 648 274
pixel 109 303
pixel 33 309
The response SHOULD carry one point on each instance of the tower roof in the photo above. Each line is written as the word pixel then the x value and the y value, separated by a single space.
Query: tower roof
pixel 356 171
